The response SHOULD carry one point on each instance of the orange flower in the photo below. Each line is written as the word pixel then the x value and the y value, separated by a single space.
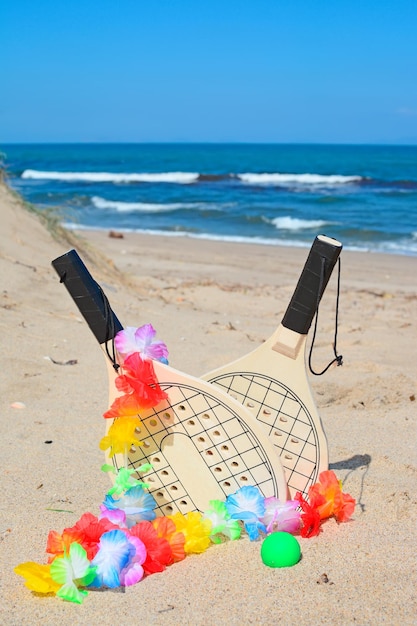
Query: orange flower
pixel 327 498
pixel 166 529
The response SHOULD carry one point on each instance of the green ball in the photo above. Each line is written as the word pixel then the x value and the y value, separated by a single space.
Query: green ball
pixel 280 550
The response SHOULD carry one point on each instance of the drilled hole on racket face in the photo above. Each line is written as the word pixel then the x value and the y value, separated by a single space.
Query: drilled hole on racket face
pixel 169 509
pixel 206 416
pixel 216 433
pixel 184 502
pixel 132 449
pixel 166 416
pixel 191 422
pixel 226 484
pixel 250 405
pixel 288 457
pixel 153 422
pixel 181 407
pixel 164 473
pixel 146 444
pixel 277 433
pixel 266 412
pixel 217 469
pixel 283 419
pixel 156 459
pixel 294 440
pixel 159 494
pixel 201 439
pixel 225 448
pixel 235 464
pixel 174 488
pixel 138 430
pixel 244 479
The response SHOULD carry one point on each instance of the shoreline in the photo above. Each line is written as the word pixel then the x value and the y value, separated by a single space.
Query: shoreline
pixel 273 243
pixel 210 302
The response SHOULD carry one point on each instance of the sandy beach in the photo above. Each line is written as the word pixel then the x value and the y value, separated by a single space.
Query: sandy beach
pixel 210 302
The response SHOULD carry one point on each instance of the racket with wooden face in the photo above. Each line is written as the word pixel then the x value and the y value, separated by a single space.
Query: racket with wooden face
pixel 272 380
pixel 202 444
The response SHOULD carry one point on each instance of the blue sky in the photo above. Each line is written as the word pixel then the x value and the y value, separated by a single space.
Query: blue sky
pixel 229 71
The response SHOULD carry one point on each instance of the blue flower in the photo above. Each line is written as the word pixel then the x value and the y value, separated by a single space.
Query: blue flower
pixel 137 504
pixel 114 554
pixel 247 505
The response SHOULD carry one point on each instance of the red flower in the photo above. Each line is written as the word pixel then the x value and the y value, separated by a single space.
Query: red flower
pixel 327 498
pixel 310 518
pixel 140 387
pixel 158 550
pixel 87 532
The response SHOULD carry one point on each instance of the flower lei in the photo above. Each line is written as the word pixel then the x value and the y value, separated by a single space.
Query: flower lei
pixel 126 541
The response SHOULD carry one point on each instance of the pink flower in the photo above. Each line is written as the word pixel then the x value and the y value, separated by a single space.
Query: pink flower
pixel 141 340
pixel 281 516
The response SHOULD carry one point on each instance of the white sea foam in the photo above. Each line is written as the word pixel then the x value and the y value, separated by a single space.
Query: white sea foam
pixel 294 223
pixel 113 177
pixel 301 179
pixel 146 207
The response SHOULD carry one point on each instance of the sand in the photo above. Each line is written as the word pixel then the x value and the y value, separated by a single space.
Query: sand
pixel 210 302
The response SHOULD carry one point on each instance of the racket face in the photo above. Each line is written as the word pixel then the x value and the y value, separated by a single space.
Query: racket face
pixel 201 448
pixel 293 429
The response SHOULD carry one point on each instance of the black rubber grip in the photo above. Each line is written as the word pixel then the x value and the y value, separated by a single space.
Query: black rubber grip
pixel 87 295
pixel 312 283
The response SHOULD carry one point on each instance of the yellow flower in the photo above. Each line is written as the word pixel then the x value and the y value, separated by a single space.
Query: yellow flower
pixel 195 529
pixel 121 435
pixel 37 577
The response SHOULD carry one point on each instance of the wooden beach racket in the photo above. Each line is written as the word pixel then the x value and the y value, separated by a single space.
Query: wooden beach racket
pixel 202 444
pixel 272 382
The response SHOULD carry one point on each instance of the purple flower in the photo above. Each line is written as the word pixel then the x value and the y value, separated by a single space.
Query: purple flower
pixel 281 516
pixel 133 572
pixel 116 516
pixel 141 340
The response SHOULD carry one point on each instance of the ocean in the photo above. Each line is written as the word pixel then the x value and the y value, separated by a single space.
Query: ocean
pixel 271 194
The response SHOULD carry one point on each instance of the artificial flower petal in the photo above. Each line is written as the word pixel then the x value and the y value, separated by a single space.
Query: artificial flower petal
pixel 140 387
pixel 158 550
pixel 247 505
pixel 115 551
pixel 71 572
pixel 124 479
pixel 281 516
pixel 326 496
pixel 137 503
pixel 122 435
pixel 141 340
pixel 134 571
pixel 139 378
pixel 89 529
pixel 221 522
pixel 166 529
pixel 116 516
pixel 310 518
pixel 37 577
pixel 195 529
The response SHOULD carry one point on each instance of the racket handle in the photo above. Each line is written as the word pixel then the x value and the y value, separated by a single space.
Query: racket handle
pixel 87 295
pixel 312 283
